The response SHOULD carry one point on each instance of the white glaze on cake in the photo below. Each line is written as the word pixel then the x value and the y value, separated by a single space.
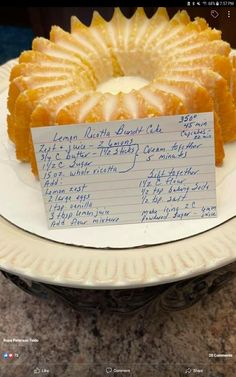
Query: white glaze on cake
pixel 123 84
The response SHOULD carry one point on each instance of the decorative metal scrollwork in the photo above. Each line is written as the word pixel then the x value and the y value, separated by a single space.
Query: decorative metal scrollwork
pixel 167 297
pixel 184 294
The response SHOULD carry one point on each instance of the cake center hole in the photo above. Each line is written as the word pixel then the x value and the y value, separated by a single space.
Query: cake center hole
pixel 124 84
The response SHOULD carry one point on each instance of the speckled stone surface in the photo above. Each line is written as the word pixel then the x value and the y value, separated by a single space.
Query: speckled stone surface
pixel 151 343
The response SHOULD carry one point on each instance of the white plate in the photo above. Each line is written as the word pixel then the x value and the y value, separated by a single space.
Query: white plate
pixel 43 260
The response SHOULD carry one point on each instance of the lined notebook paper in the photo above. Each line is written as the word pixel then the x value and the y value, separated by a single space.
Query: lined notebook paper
pixel 127 172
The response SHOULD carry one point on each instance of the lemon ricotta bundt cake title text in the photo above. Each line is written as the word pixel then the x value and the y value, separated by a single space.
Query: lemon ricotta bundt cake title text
pixel 158 66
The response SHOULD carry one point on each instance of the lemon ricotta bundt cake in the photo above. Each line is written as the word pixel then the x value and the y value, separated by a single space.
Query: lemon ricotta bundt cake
pixel 123 69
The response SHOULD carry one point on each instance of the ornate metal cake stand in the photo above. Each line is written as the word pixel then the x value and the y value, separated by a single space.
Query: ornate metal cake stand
pixel 167 297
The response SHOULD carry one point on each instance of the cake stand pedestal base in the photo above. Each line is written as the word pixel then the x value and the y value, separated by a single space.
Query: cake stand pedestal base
pixel 167 297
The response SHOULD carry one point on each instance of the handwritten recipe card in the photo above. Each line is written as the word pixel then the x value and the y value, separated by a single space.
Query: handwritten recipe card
pixel 126 172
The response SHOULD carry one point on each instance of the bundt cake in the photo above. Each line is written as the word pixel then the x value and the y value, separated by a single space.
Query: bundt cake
pixel 157 66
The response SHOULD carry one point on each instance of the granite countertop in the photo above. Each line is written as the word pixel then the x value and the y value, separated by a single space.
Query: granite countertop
pixel 149 344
